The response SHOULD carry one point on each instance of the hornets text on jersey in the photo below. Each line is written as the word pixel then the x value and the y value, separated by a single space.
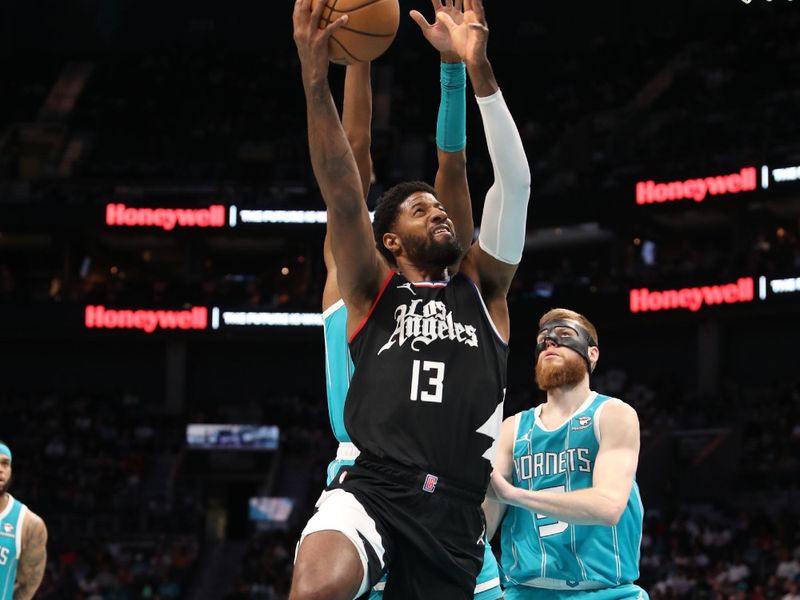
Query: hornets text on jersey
pixel 542 552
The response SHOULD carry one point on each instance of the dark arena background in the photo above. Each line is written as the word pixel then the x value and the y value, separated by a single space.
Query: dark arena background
pixel 177 452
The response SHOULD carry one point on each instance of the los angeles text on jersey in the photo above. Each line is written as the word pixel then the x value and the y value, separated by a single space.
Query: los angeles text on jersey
pixel 552 463
pixel 425 322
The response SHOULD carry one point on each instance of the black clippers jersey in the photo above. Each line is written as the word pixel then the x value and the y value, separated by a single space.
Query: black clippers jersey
pixel 429 380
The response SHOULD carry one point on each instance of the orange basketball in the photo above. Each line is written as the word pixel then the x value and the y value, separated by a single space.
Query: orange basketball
pixel 369 31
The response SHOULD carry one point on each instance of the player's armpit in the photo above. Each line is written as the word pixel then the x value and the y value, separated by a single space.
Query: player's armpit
pixel 33 558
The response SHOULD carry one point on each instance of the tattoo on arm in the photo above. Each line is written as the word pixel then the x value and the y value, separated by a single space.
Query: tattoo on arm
pixel 32 561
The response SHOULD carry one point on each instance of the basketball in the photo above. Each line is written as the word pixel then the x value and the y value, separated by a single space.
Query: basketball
pixel 367 34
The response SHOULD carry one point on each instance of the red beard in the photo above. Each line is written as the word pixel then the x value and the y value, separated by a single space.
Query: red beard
pixel 550 375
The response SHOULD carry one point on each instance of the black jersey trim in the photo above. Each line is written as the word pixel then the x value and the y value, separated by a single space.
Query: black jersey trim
pixel 485 310
pixel 372 308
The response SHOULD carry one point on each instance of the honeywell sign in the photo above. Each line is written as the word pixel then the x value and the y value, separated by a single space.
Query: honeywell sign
pixel 100 317
pixel 649 192
pixel 692 298
pixel 119 215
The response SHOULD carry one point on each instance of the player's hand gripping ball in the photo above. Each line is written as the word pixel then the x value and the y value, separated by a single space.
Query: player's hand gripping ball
pixel 368 33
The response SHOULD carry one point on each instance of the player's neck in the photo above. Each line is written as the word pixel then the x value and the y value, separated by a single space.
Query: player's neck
pixel 415 274
pixel 4 500
pixel 564 401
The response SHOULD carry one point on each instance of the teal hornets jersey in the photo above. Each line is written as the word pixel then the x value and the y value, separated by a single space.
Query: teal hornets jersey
pixel 542 552
pixel 11 521
pixel 338 366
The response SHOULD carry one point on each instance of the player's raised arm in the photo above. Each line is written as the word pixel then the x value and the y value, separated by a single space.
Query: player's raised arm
pixel 451 184
pixel 493 261
pixel 357 118
pixel 360 271
pixel 357 123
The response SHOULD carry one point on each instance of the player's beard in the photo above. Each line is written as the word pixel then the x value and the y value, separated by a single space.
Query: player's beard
pixel 5 486
pixel 551 375
pixel 430 253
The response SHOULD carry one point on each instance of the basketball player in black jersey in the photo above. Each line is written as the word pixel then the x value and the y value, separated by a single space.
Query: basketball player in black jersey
pixel 425 402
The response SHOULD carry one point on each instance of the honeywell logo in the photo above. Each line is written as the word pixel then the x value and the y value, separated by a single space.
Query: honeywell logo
pixel 119 215
pixel 693 298
pixel 649 192
pixel 100 317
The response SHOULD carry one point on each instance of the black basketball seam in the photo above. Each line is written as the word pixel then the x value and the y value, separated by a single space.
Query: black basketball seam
pixel 367 33
pixel 359 7
pixel 333 7
pixel 343 47
pixel 327 18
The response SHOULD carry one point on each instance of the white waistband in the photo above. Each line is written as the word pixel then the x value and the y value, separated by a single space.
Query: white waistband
pixel 347 451
pixel 561 584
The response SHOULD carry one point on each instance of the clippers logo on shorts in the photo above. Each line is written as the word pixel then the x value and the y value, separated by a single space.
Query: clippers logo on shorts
pixel 425 322
pixel 430 483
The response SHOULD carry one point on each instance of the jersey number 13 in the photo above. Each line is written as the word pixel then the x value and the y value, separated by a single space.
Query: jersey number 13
pixel 432 373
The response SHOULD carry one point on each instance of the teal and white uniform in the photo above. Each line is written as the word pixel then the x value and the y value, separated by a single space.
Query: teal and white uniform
pixel 544 558
pixel 12 520
pixel 338 371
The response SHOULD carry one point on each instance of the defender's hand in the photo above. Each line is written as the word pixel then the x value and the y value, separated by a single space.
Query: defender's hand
pixel 311 41
pixel 436 33
pixel 469 38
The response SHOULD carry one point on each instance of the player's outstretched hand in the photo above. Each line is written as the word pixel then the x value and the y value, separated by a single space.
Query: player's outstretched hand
pixel 437 33
pixel 311 41
pixel 468 39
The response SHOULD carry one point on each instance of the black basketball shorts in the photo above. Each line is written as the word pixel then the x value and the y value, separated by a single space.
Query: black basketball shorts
pixel 427 533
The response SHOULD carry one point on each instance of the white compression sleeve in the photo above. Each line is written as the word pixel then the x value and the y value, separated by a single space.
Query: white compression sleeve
pixel 505 210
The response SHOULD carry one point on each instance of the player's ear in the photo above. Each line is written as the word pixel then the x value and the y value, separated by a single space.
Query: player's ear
pixel 594 356
pixel 391 241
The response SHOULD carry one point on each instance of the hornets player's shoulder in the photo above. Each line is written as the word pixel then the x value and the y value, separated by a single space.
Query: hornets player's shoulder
pixel 617 418
pixel 34 531
pixel 508 431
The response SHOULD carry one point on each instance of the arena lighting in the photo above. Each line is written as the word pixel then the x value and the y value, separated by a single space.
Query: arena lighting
pixel 785 174
pixel 790 285
pixel 100 317
pixel 299 217
pixel 216 436
pixel 650 192
pixel 120 215
pixel 263 319
pixel 692 298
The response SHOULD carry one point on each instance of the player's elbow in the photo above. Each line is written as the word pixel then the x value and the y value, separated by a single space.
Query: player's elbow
pixel 612 517
pixel 517 185
pixel 612 513
pixel 360 142
pixel 610 508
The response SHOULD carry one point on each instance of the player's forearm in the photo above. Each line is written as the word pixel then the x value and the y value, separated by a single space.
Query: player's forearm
pixel 591 506
pixel 357 118
pixel 494 513
pixel 451 140
pixel 331 157
pixel 481 75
